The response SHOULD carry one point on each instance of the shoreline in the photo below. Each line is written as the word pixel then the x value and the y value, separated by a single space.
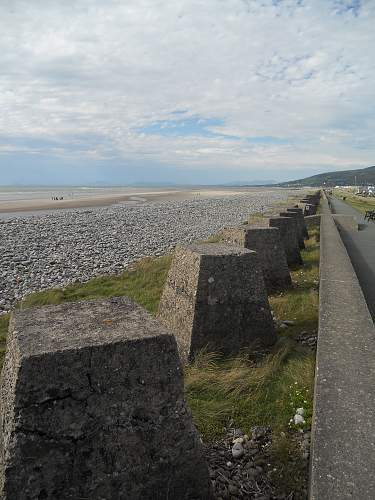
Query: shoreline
pixel 77 245
pixel 38 204
pixel 31 206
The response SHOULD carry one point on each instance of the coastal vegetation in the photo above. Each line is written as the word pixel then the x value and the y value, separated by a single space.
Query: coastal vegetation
pixel 247 390
pixel 360 203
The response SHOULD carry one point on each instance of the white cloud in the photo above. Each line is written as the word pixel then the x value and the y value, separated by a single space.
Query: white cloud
pixel 298 70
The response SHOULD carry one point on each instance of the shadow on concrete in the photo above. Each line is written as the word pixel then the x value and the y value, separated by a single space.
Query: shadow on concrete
pixel 364 271
pixel 360 246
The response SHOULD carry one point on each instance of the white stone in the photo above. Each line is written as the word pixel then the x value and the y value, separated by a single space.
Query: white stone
pixel 298 419
pixel 237 450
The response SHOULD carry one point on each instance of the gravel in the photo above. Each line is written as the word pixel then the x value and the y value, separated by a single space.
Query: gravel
pixel 252 475
pixel 56 249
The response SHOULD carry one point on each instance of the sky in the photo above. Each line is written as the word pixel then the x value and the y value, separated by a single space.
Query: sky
pixel 186 91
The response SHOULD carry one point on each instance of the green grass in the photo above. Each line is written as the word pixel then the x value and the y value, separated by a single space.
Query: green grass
pixel 249 393
pixel 242 390
pixel 358 202
pixel 143 282
pixel 259 394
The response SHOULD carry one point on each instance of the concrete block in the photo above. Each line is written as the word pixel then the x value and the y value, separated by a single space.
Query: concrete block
pixel 301 219
pixel 270 251
pixel 92 407
pixel 215 298
pixel 295 216
pixel 310 208
pixel 288 235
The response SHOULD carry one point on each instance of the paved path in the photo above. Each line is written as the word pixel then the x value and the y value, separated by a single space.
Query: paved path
pixel 361 249
pixel 343 443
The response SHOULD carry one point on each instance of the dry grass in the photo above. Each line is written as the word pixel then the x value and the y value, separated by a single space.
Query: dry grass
pixel 358 202
pixel 240 389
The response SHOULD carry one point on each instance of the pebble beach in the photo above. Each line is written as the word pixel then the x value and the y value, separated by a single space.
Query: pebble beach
pixel 53 250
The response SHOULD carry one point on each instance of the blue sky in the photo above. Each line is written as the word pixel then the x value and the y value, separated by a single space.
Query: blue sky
pixel 188 91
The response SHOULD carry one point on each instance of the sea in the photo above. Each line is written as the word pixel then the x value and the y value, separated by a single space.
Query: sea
pixel 14 193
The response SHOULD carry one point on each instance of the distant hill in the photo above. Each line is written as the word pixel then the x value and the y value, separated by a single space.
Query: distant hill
pixel 359 177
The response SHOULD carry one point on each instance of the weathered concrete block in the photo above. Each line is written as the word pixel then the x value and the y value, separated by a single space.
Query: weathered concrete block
pixel 288 236
pixel 215 298
pixel 301 220
pixel 309 208
pixel 300 238
pixel 311 203
pixel 92 407
pixel 270 251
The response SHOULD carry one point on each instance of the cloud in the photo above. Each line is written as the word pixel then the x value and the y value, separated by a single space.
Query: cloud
pixel 242 84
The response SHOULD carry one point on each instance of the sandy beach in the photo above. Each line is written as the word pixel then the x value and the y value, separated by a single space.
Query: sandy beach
pixel 52 248
pixel 104 197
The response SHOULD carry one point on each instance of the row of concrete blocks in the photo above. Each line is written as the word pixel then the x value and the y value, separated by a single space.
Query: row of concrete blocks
pixel 91 396
pixel 311 203
pixel 216 295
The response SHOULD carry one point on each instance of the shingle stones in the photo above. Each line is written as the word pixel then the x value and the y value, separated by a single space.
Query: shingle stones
pixel 288 235
pixel 92 407
pixel 270 251
pixel 215 298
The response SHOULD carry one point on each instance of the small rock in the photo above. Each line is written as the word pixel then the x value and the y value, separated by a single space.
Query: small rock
pixel 237 433
pixel 233 490
pixel 298 419
pixel 237 450
pixel 252 473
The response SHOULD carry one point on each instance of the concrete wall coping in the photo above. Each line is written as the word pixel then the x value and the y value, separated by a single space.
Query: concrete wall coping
pixel 343 428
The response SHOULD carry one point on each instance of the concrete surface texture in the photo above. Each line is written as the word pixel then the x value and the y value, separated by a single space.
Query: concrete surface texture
pixel 360 246
pixel 300 235
pixel 92 407
pixel 289 238
pixel 215 298
pixel 270 251
pixel 346 222
pixel 343 444
pixel 299 211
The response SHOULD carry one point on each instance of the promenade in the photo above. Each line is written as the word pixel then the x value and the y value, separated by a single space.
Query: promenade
pixel 343 428
pixel 360 246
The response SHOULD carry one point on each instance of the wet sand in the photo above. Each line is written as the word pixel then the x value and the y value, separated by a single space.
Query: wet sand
pixel 34 205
